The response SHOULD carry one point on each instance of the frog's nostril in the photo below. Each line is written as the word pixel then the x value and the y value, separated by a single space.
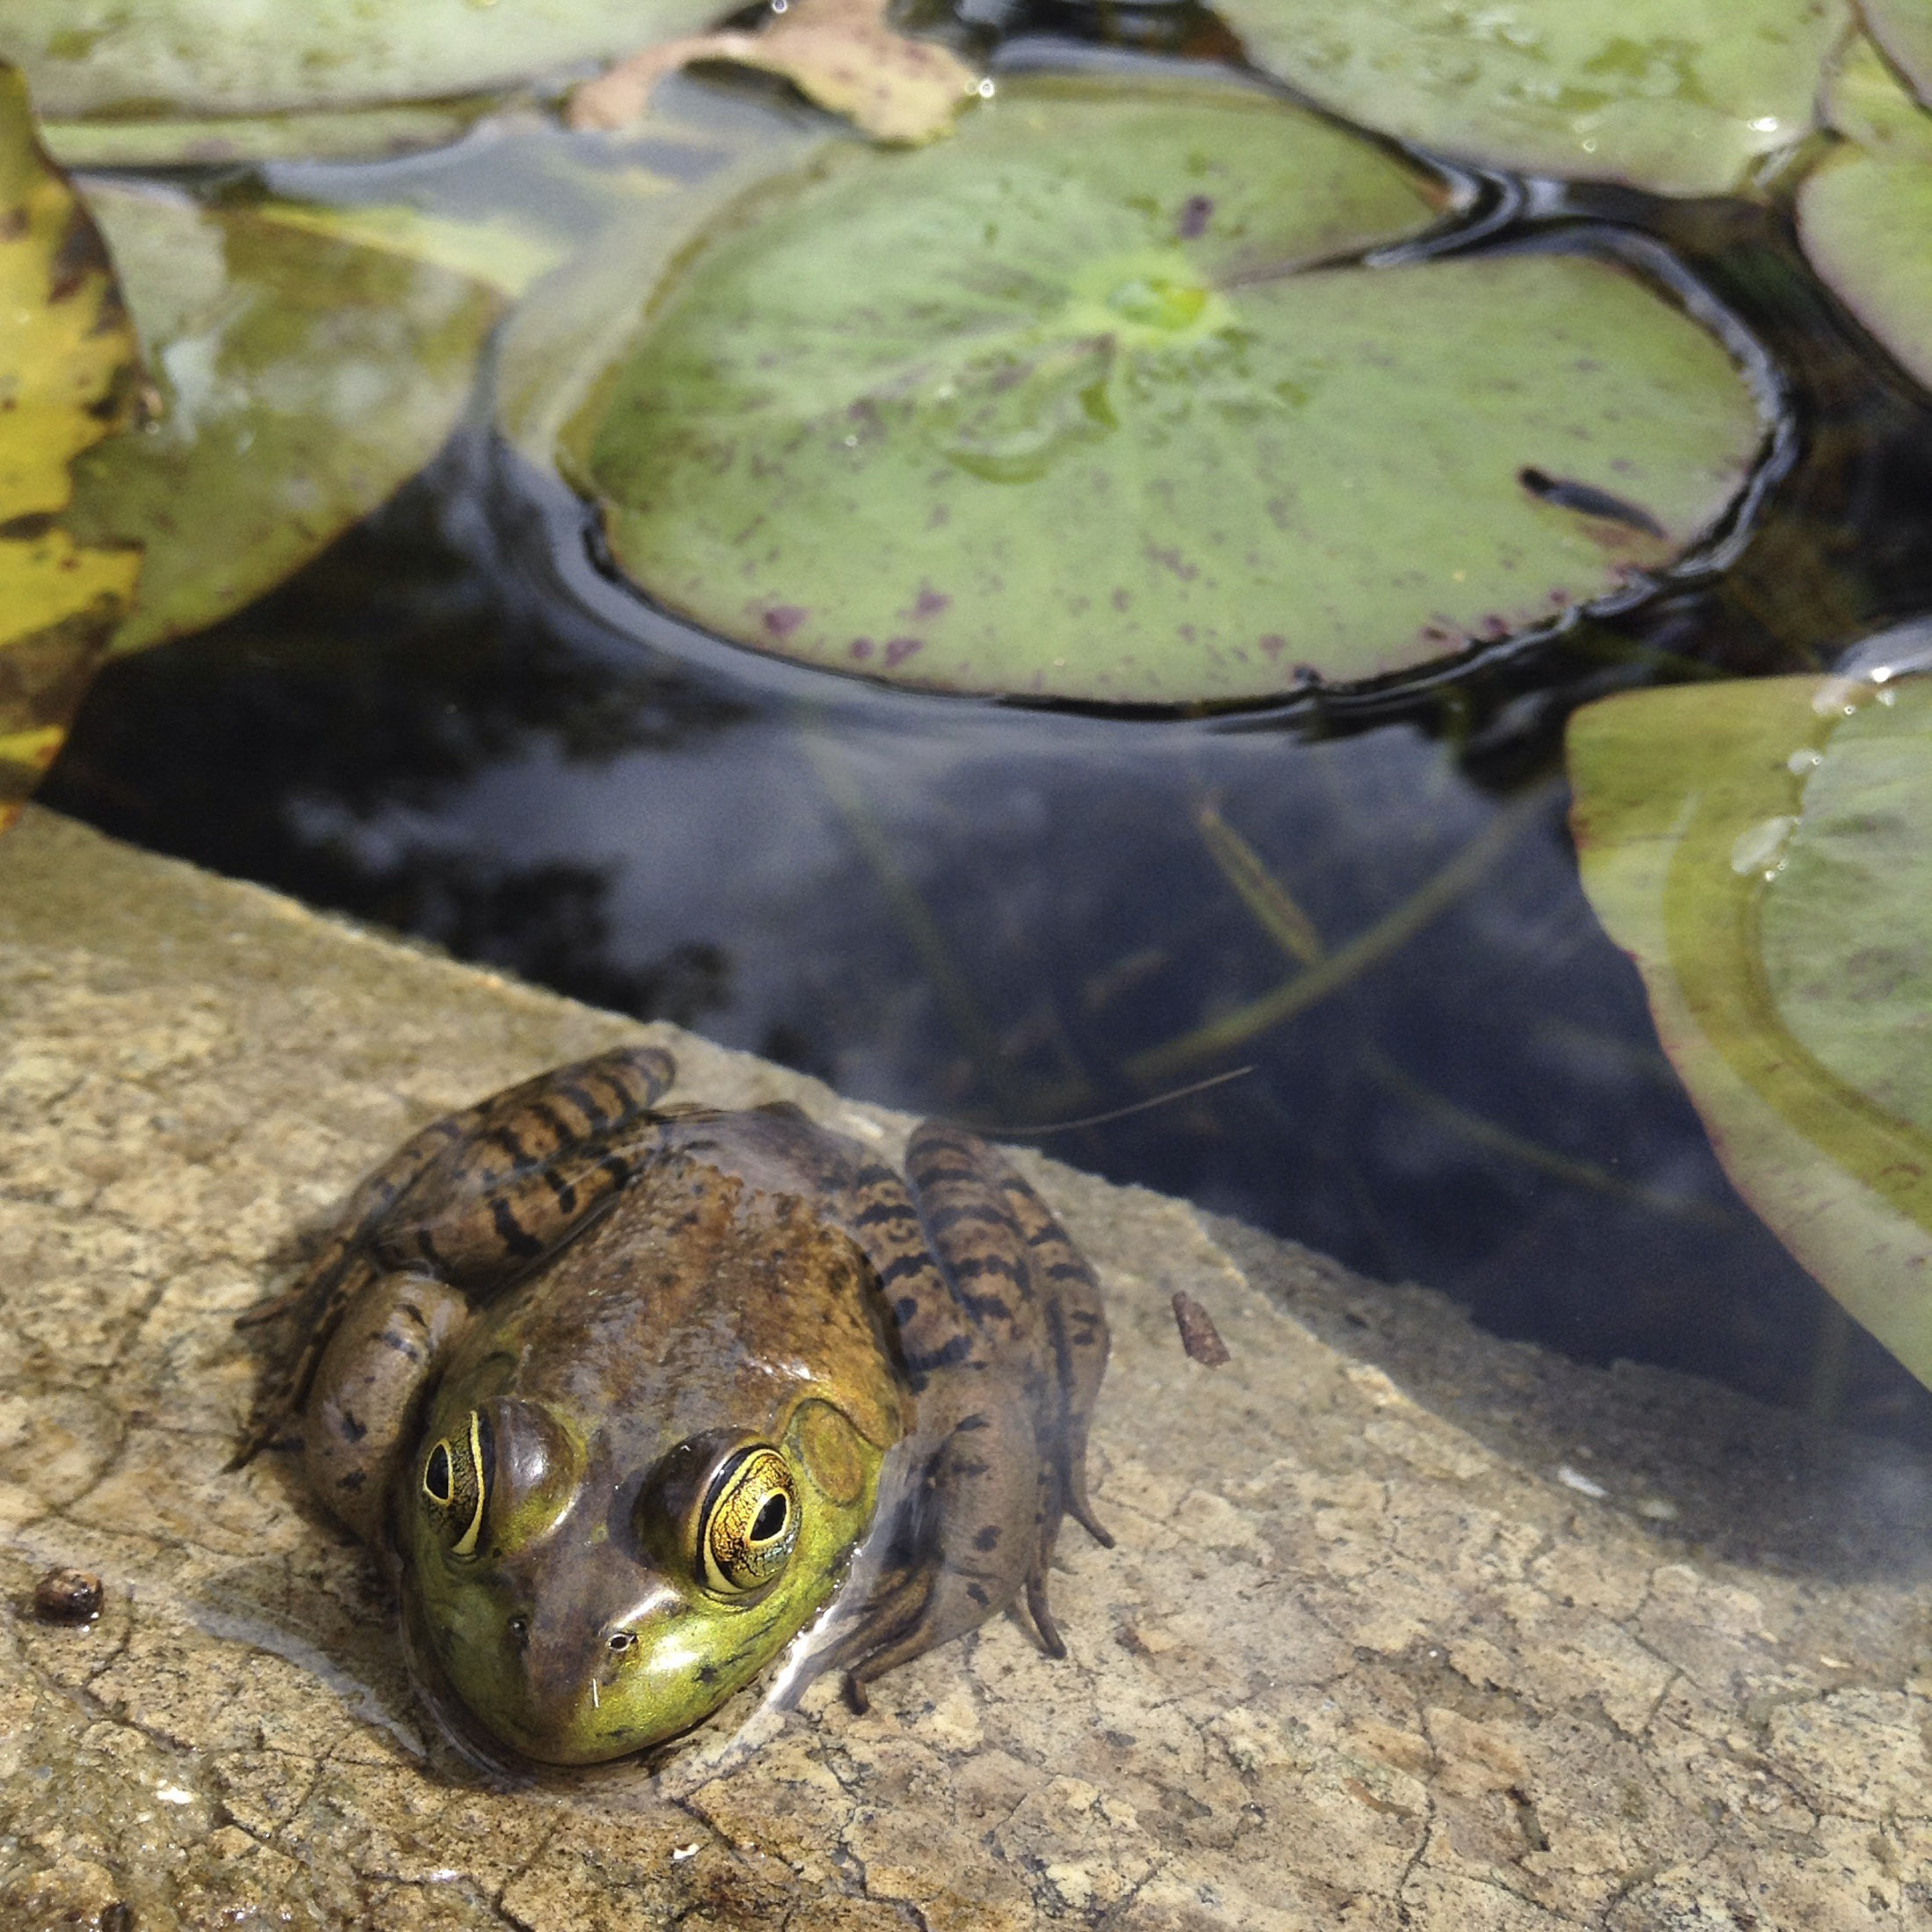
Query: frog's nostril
pixel 519 1628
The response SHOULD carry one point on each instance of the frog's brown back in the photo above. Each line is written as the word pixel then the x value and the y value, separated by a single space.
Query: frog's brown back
pixel 721 1287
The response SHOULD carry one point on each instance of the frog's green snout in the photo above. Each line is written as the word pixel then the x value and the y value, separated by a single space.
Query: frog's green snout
pixel 573 1690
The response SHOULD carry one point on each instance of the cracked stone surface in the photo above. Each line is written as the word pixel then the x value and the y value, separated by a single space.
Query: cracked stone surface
pixel 1407 1627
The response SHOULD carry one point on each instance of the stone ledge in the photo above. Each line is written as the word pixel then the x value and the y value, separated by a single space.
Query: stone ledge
pixel 1407 1627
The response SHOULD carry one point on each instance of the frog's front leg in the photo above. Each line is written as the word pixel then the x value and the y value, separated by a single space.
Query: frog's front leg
pixel 383 1354
pixel 475 1199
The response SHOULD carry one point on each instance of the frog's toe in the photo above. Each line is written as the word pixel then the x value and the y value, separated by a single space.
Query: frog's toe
pixel 1050 1639
pixel 270 1308
pixel 267 1419
pixel 1082 1511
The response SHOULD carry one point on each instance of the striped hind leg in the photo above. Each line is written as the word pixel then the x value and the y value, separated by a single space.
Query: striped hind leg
pixel 966 1547
pixel 994 1233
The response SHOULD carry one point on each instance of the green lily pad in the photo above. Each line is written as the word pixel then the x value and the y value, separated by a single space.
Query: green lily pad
pixel 67 373
pixel 1679 96
pixel 559 342
pixel 1866 226
pixel 1071 406
pixel 1764 851
pixel 367 133
pixel 1864 215
pixel 149 59
pixel 1903 28
pixel 1865 101
pixel 303 375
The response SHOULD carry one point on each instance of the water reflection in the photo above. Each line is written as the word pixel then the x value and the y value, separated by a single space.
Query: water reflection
pixel 1001 915
pixel 454 725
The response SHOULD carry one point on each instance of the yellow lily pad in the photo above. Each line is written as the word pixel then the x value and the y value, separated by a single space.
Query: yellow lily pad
pixel 68 364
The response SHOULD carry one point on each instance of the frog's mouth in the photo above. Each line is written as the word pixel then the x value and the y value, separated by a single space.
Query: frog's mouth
pixel 558 1686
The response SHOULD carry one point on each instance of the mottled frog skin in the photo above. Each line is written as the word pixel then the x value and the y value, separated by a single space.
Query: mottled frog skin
pixel 612 1384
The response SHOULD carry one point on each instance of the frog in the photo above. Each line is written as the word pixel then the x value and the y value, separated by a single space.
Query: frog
pixel 630 1395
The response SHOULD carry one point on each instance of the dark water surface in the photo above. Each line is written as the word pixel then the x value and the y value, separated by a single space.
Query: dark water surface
pixel 451 725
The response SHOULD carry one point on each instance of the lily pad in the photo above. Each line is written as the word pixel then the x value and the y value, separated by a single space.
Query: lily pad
pixel 1866 101
pixel 1679 96
pixel 1903 28
pixel 557 345
pixel 67 365
pixel 304 374
pixel 366 133
pixel 147 59
pixel 1093 401
pixel 1763 850
pixel 1864 215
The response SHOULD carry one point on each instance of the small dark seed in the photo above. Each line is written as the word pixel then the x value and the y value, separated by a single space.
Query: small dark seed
pixel 68 1596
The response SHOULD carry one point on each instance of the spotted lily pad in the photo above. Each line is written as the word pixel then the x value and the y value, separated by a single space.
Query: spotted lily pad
pixel 303 375
pixel 1864 215
pixel 1763 850
pixel 1095 401
pixel 1679 96
pixel 67 378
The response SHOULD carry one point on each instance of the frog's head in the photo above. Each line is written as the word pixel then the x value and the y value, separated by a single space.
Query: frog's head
pixel 582 1611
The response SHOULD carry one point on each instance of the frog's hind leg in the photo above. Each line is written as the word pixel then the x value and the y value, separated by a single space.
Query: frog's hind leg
pixel 1077 1320
pixel 490 1186
pixel 988 1225
pixel 1009 1266
pixel 960 1548
pixel 955 1545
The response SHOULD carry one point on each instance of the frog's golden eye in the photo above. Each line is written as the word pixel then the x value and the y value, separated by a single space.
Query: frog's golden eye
pixel 456 1483
pixel 750 1522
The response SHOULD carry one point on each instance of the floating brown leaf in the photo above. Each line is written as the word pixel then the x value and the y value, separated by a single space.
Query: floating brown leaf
pixel 839 53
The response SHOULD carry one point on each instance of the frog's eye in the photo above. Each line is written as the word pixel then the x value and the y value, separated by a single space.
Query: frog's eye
pixel 456 1483
pixel 750 1522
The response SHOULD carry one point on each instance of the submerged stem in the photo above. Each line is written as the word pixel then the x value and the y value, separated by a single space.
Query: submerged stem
pixel 1393 930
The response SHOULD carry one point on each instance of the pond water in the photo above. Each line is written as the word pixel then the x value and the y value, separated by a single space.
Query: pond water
pixel 456 723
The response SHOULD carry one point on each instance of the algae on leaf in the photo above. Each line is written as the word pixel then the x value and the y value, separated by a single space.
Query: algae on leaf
pixel 1763 850
pixel 67 369
pixel 1679 96
pixel 1096 400
pixel 304 375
